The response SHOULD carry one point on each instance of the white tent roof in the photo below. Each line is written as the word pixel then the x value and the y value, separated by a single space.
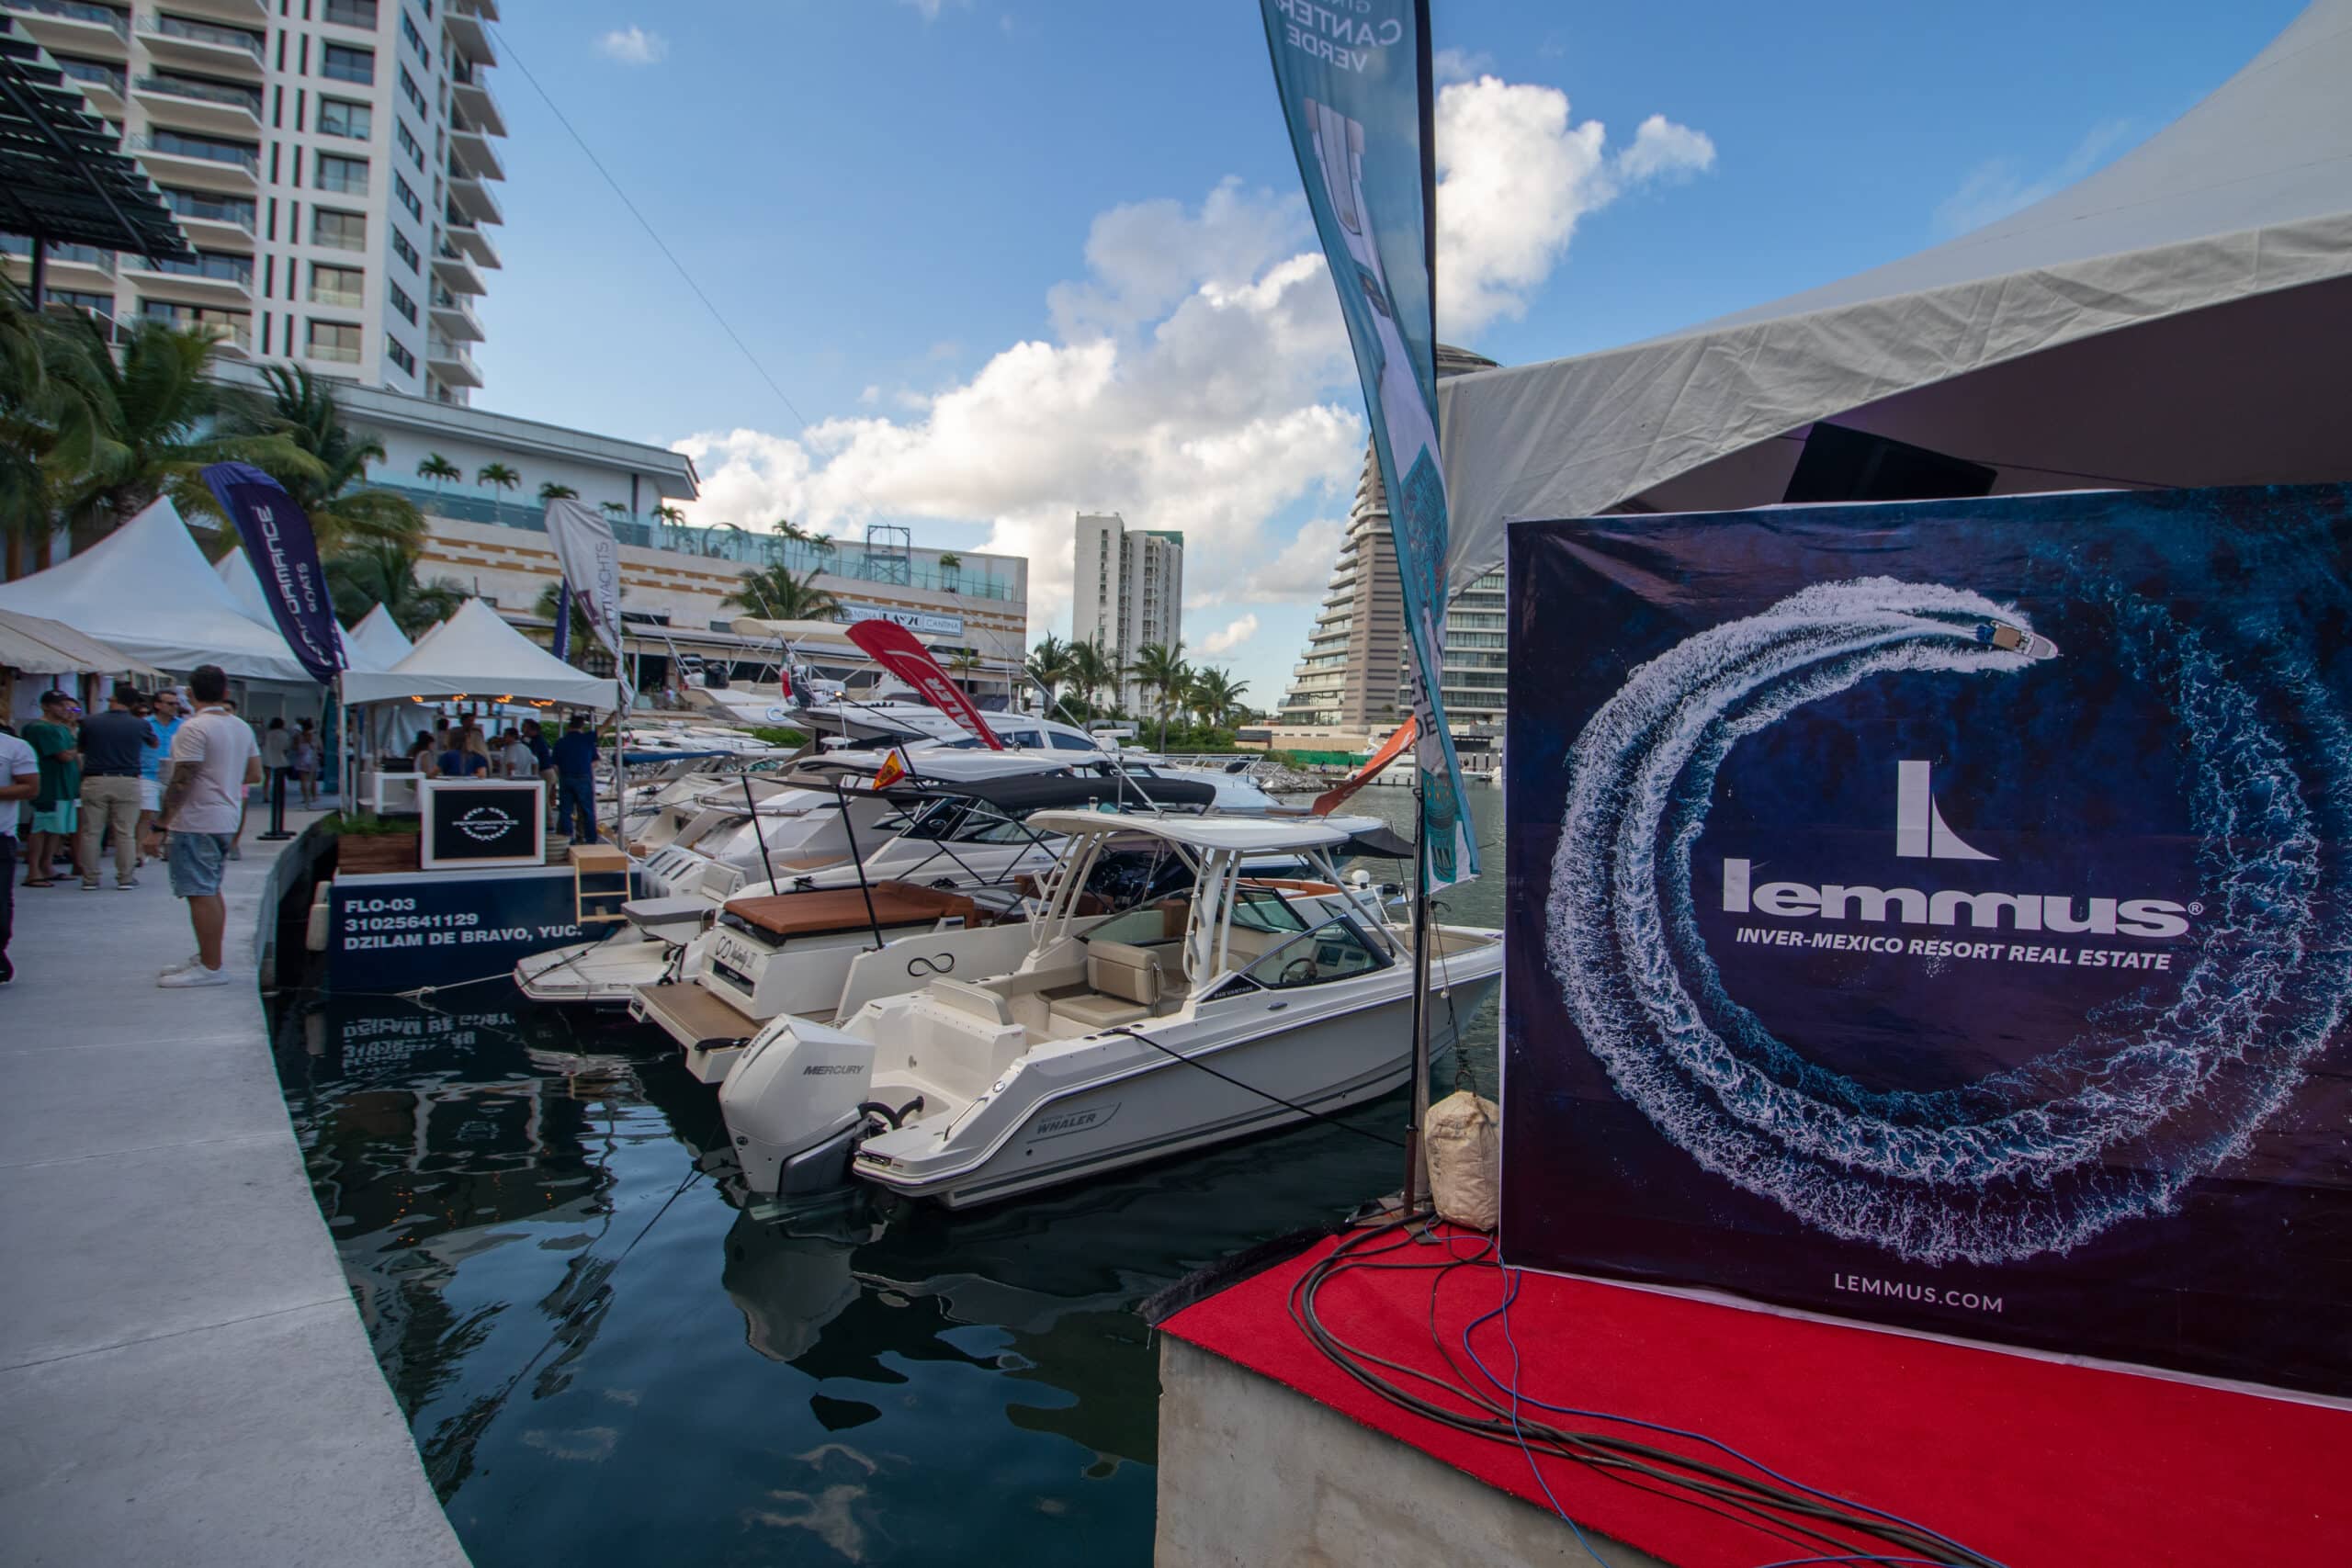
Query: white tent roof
pixel 378 641
pixel 2176 318
pixel 147 590
pixel 32 645
pixel 475 654
pixel 236 569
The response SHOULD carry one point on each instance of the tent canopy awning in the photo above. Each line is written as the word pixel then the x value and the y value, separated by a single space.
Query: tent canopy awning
pixel 378 642
pixel 147 589
pixel 34 645
pixel 2099 336
pixel 475 654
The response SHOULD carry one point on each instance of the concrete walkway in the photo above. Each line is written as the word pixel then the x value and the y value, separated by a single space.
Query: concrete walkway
pixel 183 1378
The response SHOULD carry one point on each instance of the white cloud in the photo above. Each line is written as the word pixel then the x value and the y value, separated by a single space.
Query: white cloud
pixel 1197 375
pixel 1997 186
pixel 633 46
pixel 1236 633
pixel 1460 65
pixel 1515 176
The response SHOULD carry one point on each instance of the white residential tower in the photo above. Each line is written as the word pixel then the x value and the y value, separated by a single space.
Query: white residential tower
pixel 1129 592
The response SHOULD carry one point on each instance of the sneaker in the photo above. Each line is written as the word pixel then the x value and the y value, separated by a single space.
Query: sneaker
pixel 126 883
pixel 195 975
pixel 192 961
pixel 89 885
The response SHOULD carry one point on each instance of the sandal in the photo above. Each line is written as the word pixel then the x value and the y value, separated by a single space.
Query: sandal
pixel 40 881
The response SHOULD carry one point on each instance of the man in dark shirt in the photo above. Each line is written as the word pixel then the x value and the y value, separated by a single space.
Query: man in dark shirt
pixel 111 745
pixel 575 779
pixel 545 756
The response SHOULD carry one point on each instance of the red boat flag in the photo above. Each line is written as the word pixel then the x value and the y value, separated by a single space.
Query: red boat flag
pixel 890 772
pixel 895 648
pixel 1330 800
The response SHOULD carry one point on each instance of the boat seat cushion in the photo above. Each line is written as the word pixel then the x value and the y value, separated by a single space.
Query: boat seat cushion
pixel 1092 1013
pixel 1117 969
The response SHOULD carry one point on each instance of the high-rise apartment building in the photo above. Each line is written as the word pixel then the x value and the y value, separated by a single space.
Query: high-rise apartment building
pixel 1129 592
pixel 1355 677
pixel 331 161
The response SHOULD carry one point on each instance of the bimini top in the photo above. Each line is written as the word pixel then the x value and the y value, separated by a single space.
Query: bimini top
pixel 1233 835
pixel 1018 796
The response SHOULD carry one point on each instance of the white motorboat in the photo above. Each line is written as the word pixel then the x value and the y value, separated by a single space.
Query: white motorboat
pixel 966 837
pixel 1249 1003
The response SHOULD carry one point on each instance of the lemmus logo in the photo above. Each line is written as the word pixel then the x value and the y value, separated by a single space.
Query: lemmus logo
pixel 1921 833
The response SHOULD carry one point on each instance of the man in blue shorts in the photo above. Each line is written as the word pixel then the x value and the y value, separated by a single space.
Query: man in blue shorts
pixel 214 761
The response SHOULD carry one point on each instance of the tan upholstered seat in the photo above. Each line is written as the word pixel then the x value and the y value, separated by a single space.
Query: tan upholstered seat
pixel 1122 984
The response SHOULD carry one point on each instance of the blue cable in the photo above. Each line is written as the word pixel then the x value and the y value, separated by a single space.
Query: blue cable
pixel 1511 1288
pixel 1511 1294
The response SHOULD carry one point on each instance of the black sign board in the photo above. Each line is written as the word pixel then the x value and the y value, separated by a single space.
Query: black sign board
pixel 483 823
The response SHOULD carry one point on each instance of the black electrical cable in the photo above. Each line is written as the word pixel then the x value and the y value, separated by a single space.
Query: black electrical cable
pixel 1263 1094
pixel 1781 1512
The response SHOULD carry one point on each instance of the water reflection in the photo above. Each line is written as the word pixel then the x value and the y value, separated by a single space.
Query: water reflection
pixel 605 1361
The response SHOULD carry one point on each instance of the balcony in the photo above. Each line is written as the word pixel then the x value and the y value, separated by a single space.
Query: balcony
pixel 244 13
pixel 471 198
pixel 470 90
pixel 211 223
pixel 208 280
pixel 452 364
pixel 466 34
pixel 198 162
pixel 472 152
pixel 470 239
pixel 177 42
pixel 75 26
pixel 84 269
pixel 361 14
pixel 101 84
pixel 454 319
pixel 451 267
pixel 189 104
pixel 232 328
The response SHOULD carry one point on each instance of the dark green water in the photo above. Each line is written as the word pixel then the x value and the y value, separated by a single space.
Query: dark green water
pixel 605 1362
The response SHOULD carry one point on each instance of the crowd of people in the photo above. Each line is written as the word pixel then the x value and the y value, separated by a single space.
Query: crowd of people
pixel 167 775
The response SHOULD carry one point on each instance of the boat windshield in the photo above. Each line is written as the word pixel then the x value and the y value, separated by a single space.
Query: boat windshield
pixel 1264 910
pixel 1332 951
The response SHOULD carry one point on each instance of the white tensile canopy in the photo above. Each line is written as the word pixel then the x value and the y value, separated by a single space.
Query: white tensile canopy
pixel 2177 318
pixel 147 590
pixel 475 654
pixel 378 640
pixel 33 645
pixel 236 569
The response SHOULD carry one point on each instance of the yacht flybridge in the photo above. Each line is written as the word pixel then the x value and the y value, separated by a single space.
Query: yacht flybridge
pixel 1242 1004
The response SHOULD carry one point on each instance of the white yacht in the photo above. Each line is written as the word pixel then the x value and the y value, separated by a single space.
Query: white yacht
pixel 1246 1003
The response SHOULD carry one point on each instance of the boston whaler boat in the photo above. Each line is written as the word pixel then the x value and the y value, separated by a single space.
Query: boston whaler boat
pixel 1248 1003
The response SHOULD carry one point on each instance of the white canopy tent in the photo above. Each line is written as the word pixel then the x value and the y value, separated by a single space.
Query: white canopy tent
pixel 378 640
pixel 2176 318
pixel 147 590
pixel 236 570
pixel 474 654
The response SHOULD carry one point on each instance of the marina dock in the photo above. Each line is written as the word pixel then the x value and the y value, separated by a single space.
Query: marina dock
pixel 182 1376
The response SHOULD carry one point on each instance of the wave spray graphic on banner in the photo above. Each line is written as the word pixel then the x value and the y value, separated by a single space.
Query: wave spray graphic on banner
pixel 2108 1125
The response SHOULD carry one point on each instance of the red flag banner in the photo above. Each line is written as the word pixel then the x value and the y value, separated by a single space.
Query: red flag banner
pixel 890 772
pixel 1330 800
pixel 895 648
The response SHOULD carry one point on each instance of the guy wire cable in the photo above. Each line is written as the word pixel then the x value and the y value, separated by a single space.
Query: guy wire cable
pixel 1775 1508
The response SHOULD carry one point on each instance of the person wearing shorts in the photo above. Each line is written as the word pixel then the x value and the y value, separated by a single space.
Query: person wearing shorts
pixel 163 721
pixel 214 761
pixel 57 809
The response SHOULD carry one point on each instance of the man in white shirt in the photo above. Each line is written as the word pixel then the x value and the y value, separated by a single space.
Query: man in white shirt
pixel 19 782
pixel 516 758
pixel 214 761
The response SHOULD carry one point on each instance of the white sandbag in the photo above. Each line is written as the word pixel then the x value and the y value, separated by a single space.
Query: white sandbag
pixel 1462 1144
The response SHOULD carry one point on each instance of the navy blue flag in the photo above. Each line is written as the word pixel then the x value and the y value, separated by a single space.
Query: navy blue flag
pixel 563 622
pixel 1355 87
pixel 285 553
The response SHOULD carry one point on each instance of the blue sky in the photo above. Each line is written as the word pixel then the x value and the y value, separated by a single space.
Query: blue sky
pixel 1010 260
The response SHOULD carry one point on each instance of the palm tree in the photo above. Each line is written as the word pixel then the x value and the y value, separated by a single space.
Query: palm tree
pixel 497 474
pixel 551 490
pixel 1162 670
pixel 790 530
pixel 151 430
pixel 44 406
pixel 437 468
pixel 965 663
pixel 544 607
pixel 1050 665
pixel 951 570
pixel 383 571
pixel 330 485
pixel 773 593
pixel 1216 696
pixel 675 516
pixel 1092 670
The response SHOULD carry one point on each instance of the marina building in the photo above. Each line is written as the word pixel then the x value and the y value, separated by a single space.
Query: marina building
pixel 331 162
pixel 1130 591
pixel 1354 679
pixel 972 609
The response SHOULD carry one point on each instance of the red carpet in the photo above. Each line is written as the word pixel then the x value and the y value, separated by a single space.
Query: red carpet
pixel 2031 1462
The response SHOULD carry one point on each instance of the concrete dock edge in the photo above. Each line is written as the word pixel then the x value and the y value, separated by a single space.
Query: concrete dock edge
pixel 184 1378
